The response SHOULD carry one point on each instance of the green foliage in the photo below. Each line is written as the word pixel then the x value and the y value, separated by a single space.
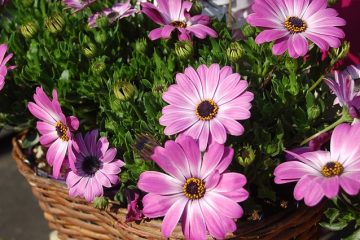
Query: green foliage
pixel 91 68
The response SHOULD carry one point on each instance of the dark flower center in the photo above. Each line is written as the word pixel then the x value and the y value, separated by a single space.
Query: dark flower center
pixel 179 24
pixel 295 25
pixel 61 130
pixel 90 165
pixel 206 110
pixel 194 188
pixel 332 169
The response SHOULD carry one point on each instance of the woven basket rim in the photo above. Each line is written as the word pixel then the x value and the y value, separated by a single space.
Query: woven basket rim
pixel 276 223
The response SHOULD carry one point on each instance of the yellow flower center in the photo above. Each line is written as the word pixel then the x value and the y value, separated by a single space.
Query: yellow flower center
pixel 295 25
pixel 194 188
pixel 332 169
pixel 206 110
pixel 179 24
pixel 61 130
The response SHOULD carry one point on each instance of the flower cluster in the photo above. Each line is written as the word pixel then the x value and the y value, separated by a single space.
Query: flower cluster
pixel 177 111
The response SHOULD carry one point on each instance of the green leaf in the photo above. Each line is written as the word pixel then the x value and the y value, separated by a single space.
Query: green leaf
pixel 334 226
pixel 354 236
pixel 332 214
pixel 31 140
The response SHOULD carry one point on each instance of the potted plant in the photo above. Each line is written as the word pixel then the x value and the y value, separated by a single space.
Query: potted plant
pixel 149 120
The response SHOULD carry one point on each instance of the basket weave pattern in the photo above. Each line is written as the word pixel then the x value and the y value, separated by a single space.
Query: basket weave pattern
pixel 74 218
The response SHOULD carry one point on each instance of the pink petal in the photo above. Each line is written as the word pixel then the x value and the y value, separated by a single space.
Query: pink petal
pixel 166 31
pixel 212 80
pixel 230 182
pixel 218 131
pixel 300 44
pixel 270 35
pixel 224 205
pixel 109 155
pixel 280 46
pixel 213 224
pixel 192 152
pixel 204 136
pixel 292 171
pixel 172 216
pixel 211 159
pixel 194 78
pixel 153 13
pixel 90 141
pixel 202 31
pixel 72 179
pixel 226 160
pixel 349 183
pixel 102 146
pixel 73 123
pixel 233 127
pixel 177 156
pixel 308 189
pixel 102 179
pixel 48 138
pixel 155 34
pixel 197 221
pixel 159 183
pixel 329 185
pixel 157 205
pixel 112 167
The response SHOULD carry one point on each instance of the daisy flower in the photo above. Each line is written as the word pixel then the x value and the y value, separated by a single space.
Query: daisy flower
pixel 55 129
pixel 322 173
pixel 353 71
pixel 291 23
pixel 3 61
pixel 195 191
pixel 174 14
pixel 205 104
pixel 78 5
pixel 96 167
pixel 343 86
pixel 116 12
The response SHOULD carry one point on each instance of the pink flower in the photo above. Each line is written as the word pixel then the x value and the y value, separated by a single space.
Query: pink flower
pixel 197 192
pixel 353 71
pixel 55 129
pixel 206 103
pixel 78 5
pixel 322 173
pixel 291 23
pixel 343 86
pixel 174 14
pixel 116 12
pixel 134 213
pixel 96 167
pixel 3 61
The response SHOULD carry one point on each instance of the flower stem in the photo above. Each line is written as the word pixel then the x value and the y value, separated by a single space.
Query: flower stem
pixel 344 118
pixel 316 83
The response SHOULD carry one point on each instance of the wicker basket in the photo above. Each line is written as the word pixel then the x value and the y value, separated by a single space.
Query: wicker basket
pixel 74 218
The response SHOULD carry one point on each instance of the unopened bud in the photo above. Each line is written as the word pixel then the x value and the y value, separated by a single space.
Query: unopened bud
pixel 246 156
pixel 55 23
pixel 144 145
pixel 248 30
pixel 100 37
pixel 196 7
pixel 141 45
pixel 29 29
pixel 340 53
pixel 101 202
pixel 332 2
pixel 98 67
pixel 184 49
pixel 234 52
pixel 89 50
pixel 124 177
pixel 124 90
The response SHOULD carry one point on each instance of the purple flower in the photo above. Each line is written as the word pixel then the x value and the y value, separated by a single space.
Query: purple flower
pixel 3 61
pixel 322 173
pixel 291 23
pixel 206 103
pixel 95 167
pixel 353 71
pixel 134 212
pixel 78 5
pixel 174 14
pixel 343 86
pixel 116 12
pixel 55 129
pixel 194 191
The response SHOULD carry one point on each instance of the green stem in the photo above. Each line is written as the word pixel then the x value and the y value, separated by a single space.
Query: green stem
pixel 43 8
pixel 237 67
pixel 316 83
pixel 344 118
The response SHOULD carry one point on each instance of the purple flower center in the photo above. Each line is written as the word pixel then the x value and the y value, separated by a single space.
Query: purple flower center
pixel 332 169
pixel 61 131
pixel 295 25
pixel 179 24
pixel 194 188
pixel 207 110
pixel 90 165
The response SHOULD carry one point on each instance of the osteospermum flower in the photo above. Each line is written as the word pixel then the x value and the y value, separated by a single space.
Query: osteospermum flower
pixel 206 103
pixel 353 71
pixel 322 173
pixel 194 191
pixel 343 86
pixel 116 12
pixel 55 129
pixel 174 14
pixel 291 23
pixel 78 5
pixel 96 167
pixel 3 61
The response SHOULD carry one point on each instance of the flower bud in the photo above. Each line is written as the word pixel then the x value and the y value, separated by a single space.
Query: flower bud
pixel 98 67
pixel 184 49
pixel 124 177
pixel 101 202
pixel 196 7
pixel 247 30
pixel 141 45
pixel 332 2
pixel 234 52
pixel 124 90
pixel 340 53
pixel 29 29
pixel 102 21
pixel 159 88
pixel 246 155
pixel 144 145
pixel 55 23
pixel 100 37
pixel 89 50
